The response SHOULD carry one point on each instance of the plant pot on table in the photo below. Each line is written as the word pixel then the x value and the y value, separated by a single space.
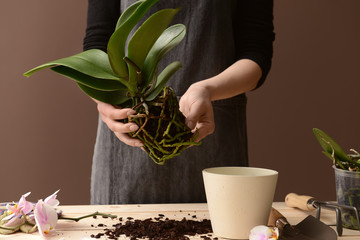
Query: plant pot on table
pixel 348 193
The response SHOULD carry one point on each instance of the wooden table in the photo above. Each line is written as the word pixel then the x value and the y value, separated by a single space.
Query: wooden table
pixel 82 230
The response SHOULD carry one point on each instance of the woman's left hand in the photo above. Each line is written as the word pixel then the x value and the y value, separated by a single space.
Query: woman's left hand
pixel 196 106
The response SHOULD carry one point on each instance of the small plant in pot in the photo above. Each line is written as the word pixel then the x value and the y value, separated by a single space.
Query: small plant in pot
pixel 128 76
pixel 347 176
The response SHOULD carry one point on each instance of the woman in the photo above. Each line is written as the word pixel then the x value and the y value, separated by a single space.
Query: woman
pixel 226 52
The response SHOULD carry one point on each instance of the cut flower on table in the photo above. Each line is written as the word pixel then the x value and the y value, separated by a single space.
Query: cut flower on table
pixel 28 217
pixel 15 210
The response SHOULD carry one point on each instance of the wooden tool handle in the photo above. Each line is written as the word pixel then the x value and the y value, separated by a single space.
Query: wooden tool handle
pixel 300 201
pixel 276 219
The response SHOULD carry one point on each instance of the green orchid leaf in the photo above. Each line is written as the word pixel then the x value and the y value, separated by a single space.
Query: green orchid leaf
pixel 164 76
pixel 112 97
pixel 144 38
pixel 93 62
pixel 330 146
pixel 127 13
pixel 96 83
pixel 170 38
pixel 116 44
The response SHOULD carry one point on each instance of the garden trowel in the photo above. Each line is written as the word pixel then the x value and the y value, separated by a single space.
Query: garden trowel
pixel 308 203
pixel 308 229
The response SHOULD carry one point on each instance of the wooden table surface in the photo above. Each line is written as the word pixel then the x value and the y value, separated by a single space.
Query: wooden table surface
pixel 83 229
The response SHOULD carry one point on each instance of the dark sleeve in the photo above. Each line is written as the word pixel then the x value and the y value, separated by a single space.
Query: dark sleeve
pixel 255 33
pixel 101 21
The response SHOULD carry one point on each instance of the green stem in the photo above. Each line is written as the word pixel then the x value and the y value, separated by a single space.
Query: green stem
pixel 76 219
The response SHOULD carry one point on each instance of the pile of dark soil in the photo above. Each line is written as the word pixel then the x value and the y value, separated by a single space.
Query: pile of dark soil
pixel 159 229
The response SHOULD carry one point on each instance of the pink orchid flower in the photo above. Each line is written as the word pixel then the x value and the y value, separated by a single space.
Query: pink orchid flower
pixel 45 217
pixel 17 209
pixel 22 207
pixel 45 214
pixel 264 233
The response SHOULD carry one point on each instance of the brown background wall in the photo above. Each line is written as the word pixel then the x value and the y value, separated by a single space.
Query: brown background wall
pixel 48 127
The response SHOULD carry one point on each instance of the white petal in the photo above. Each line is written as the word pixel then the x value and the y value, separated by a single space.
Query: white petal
pixel 51 215
pixel 45 217
pixel 51 200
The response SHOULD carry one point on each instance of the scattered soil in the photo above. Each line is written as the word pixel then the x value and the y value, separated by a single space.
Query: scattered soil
pixel 159 229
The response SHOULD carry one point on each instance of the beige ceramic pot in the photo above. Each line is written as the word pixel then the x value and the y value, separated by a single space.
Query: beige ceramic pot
pixel 239 198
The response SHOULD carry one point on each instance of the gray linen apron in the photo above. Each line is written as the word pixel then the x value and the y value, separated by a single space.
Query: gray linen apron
pixel 126 175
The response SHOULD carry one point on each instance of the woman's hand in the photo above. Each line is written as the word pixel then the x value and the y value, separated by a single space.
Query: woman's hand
pixel 196 106
pixel 111 114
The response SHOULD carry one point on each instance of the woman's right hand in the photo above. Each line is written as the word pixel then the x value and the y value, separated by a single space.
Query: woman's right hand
pixel 111 116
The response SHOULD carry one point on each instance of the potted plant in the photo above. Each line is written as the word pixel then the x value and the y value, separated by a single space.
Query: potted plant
pixel 347 176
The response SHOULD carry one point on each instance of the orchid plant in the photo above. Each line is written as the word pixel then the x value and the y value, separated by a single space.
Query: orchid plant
pixel 28 217
pixel 332 150
pixel 128 76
